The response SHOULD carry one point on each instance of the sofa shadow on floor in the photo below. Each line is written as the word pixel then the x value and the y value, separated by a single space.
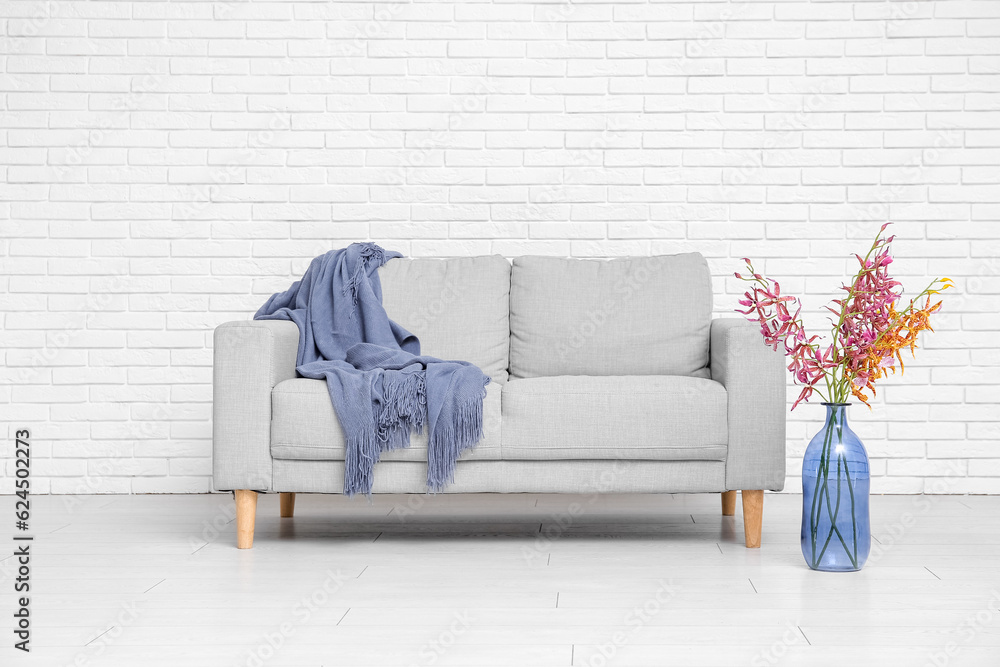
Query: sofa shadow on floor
pixel 444 523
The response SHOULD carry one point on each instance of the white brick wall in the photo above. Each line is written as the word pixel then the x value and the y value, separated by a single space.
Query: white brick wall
pixel 166 165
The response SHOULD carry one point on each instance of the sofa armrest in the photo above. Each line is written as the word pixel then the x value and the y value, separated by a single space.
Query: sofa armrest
pixel 251 357
pixel 754 378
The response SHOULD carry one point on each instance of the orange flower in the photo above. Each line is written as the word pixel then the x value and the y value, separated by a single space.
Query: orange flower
pixel 903 333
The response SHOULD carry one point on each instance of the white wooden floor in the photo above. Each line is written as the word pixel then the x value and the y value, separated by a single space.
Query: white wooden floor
pixel 500 580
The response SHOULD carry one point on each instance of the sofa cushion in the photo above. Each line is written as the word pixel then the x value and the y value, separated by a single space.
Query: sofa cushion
pixel 458 308
pixel 629 316
pixel 649 417
pixel 305 427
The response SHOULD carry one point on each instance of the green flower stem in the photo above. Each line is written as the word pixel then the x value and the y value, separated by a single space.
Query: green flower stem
pixel 854 514
pixel 829 535
pixel 821 475
pixel 835 513
pixel 823 488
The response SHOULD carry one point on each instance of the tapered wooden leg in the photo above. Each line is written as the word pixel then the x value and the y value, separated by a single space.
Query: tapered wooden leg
pixel 753 513
pixel 246 515
pixel 287 505
pixel 728 503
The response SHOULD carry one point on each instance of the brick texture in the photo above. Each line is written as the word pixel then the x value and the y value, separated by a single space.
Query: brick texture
pixel 167 165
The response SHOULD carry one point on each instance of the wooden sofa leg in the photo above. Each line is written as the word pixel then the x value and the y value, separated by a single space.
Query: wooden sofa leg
pixel 287 505
pixel 753 512
pixel 246 515
pixel 728 503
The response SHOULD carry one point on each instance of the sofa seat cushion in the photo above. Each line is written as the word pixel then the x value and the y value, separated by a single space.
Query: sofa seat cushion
pixel 305 427
pixel 626 316
pixel 458 308
pixel 640 417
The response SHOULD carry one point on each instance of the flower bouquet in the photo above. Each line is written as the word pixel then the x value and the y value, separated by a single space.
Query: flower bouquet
pixel 869 331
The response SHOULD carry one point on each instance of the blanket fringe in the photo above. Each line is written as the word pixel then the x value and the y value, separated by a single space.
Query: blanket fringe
pixel 404 412
pixel 403 409
pixel 370 253
pixel 359 462
pixel 448 441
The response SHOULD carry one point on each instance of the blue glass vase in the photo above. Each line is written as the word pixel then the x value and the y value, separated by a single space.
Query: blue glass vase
pixel 836 527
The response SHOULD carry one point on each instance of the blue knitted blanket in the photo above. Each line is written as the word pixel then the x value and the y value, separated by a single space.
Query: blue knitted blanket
pixel 381 388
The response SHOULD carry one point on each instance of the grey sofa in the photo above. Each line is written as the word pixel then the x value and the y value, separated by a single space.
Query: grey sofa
pixel 609 376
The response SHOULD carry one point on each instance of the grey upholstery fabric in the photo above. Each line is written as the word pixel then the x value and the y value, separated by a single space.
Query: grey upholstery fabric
pixel 458 308
pixel 754 377
pixel 629 316
pixel 514 477
pixel 648 417
pixel 305 427
pixel 250 359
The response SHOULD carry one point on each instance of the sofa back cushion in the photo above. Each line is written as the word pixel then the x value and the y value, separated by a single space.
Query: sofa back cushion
pixel 458 308
pixel 628 316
